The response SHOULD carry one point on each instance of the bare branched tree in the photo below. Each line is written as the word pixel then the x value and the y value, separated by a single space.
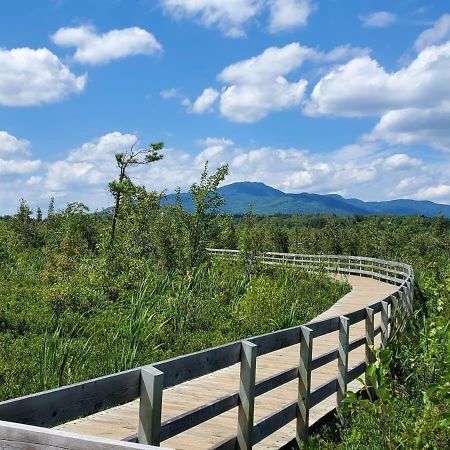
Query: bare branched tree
pixel 123 185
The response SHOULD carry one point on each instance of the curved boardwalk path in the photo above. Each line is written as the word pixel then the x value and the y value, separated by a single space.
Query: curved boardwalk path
pixel 122 421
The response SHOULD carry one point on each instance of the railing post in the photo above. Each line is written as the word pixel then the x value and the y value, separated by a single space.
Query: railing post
pixel 409 296
pixel 344 327
pixel 394 314
pixel 384 324
pixel 370 334
pixel 405 302
pixel 246 395
pixel 304 383
pixel 404 298
pixel 150 405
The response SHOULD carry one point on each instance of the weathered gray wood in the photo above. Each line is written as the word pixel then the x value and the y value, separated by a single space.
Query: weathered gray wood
pixel 187 367
pixel 343 349
pixel 384 324
pixel 325 326
pixel 322 392
pixel 196 416
pixel 50 408
pixel 409 297
pixel 412 291
pixel 206 412
pixel 274 422
pixel 395 314
pixel 370 335
pixel 226 444
pixel 15 436
pixel 403 307
pixel 356 343
pixel 356 371
pixel 356 316
pixel 304 383
pixel 323 359
pixel 276 340
pixel 150 405
pixel 404 302
pixel 272 382
pixel 246 395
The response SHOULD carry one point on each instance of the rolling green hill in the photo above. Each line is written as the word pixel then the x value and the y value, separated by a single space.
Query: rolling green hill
pixel 270 201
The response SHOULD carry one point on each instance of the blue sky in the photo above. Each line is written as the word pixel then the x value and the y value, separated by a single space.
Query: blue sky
pixel 351 97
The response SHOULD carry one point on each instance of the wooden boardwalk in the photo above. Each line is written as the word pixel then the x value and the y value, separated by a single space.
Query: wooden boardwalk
pixel 122 421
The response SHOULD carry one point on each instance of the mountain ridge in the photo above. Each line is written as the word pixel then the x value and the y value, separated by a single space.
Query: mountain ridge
pixel 271 201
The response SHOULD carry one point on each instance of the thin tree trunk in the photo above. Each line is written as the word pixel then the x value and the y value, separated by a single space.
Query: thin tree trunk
pixel 116 210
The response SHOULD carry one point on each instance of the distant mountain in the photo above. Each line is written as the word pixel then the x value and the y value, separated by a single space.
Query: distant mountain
pixel 270 201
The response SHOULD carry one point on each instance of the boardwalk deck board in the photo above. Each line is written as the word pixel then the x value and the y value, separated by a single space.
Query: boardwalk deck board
pixel 122 421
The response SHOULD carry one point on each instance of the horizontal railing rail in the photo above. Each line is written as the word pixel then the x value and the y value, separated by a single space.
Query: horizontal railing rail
pixel 50 408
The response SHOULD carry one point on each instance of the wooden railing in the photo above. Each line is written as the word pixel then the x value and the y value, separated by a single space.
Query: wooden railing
pixel 28 419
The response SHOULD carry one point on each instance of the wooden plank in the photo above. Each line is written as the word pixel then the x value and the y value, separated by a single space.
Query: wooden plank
pixel 187 367
pixel 226 444
pixel 197 416
pixel 323 391
pixel 269 342
pixel 323 327
pixel 343 349
pixel 356 371
pixel 55 406
pixel 356 343
pixel 15 436
pixel 304 383
pixel 203 413
pixel 246 408
pixel 150 405
pixel 356 316
pixel 275 381
pixel 324 359
pixel 274 422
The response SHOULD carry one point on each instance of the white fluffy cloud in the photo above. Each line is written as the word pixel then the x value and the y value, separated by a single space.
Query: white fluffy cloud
pixel 409 126
pixel 93 48
pixel 364 170
pixel 250 103
pixel 439 192
pixel 413 103
pixel 91 164
pixel 254 87
pixel 362 87
pixel 10 145
pixel 288 14
pixel 205 101
pixel 231 16
pixel 15 167
pixel 18 166
pixel 438 33
pixel 267 66
pixel 400 161
pixel 31 77
pixel 379 19
pixel 257 86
